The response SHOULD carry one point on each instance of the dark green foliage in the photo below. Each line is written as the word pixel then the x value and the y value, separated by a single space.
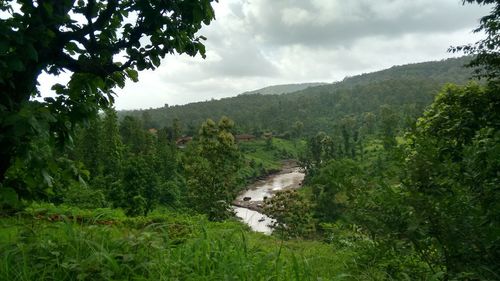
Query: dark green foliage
pixel 406 200
pixel 282 89
pixel 320 150
pixel 51 37
pixel 331 187
pixel 45 175
pixel 99 147
pixel 133 134
pixel 435 201
pixel 292 214
pixel 135 169
pixel 111 144
pixel 388 126
pixel 406 89
pixel 88 149
pixel 486 51
pixel 140 185
pixel 452 187
pixel 212 170
pixel 82 196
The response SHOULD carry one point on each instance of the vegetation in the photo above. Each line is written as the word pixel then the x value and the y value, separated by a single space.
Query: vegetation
pixel 106 245
pixel 212 170
pixel 51 37
pixel 282 89
pixel 402 179
pixel 407 90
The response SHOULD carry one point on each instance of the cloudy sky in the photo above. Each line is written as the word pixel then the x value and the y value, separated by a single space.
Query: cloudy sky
pixel 257 43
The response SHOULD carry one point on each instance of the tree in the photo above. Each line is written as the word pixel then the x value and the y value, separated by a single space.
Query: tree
pixel 147 120
pixel 88 145
pixel 140 185
pixel 330 188
pixel 212 169
pixel 298 128
pixel 111 149
pixel 100 43
pixel 388 126
pixel 487 50
pixel 133 135
pixel 350 134
pixel 451 176
pixel 111 144
pixel 167 166
pixel 292 214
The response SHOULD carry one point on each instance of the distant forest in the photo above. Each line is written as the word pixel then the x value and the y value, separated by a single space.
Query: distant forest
pixel 402 90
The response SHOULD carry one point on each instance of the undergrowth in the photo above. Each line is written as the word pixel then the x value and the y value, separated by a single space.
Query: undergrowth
pixel 61 243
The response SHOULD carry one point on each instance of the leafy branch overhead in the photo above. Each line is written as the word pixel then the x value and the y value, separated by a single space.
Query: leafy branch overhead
pixel 94 36
pixel 100 43
pixel 487 50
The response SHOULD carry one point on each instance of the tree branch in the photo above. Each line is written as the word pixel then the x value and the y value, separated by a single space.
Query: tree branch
pixel 99 24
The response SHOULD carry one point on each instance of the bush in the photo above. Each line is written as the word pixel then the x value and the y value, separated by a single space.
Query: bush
pixel 292 214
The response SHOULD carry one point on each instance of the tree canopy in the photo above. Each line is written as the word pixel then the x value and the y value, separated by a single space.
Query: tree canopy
pixel 486 51
pixel 100 43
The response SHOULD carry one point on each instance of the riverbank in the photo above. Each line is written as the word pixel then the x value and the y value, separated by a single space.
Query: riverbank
pixel 290 176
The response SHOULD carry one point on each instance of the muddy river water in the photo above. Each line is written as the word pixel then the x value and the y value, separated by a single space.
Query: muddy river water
pixel 248 204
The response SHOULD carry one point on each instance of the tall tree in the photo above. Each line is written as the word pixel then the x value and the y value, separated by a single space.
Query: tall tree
pixel 211 169
pixel 111 143
pixel 88 146
pixel 100 43
pixel 452 166
pixel 388 126
pixel 133 135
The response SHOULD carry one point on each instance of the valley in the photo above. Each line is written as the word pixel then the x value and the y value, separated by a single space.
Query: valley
pixel 249 140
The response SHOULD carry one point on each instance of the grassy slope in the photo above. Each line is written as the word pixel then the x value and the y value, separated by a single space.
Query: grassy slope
pixel 57 243
pixel 261 160
pixel 66 243
pixel 46 242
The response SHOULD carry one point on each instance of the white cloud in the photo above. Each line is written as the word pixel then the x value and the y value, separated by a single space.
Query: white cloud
pixel 256 43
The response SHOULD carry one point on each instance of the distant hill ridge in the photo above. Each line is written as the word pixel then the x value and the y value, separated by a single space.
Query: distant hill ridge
pixel 406 89
pixel 283 89
pixel 450 70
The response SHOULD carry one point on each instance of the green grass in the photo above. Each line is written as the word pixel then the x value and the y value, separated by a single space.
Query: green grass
pixel 163 246
pixel 262 159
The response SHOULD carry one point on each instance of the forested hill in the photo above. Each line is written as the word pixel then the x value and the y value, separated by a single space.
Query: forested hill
pixel 449 70
pixel 403 91
pixel 283 89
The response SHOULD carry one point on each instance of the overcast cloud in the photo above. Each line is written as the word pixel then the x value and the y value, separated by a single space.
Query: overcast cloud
pixel 257 43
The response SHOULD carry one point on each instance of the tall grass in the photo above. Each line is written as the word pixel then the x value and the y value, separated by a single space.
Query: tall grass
pixel 156 248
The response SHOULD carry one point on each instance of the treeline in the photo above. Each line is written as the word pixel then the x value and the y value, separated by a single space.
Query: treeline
pixel 138 169
pixel 407 90
pixel 126 165
pixel 129 167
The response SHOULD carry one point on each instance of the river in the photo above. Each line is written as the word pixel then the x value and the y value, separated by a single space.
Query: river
pixel 248 204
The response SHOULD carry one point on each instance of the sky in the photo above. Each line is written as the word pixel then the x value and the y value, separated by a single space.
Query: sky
pixel 257 43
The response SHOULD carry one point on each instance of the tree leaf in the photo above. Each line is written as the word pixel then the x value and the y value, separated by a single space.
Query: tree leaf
pixel 132 74
pixel 31 52
pixel 8 196
pixel 16 64
pixel 4 47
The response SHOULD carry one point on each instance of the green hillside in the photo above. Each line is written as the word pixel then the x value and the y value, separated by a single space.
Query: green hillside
pixel 406 89
pixel 282 89
pixel 448 70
